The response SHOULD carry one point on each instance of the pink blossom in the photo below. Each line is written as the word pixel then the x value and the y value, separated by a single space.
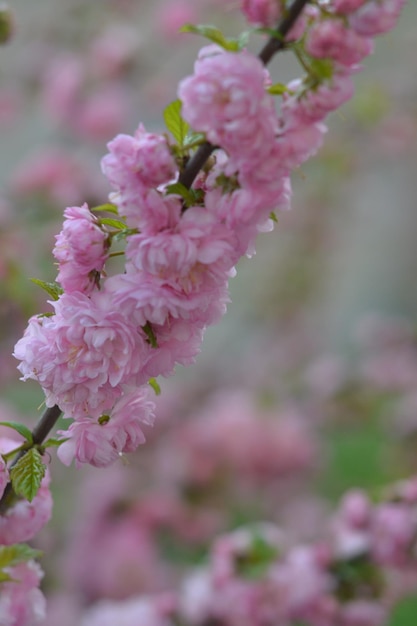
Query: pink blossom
pixel 21 601
pixel 149 211
pixel 347 6
pixel 199 296
pixel 139 161
pixel 88 442
pixel 179 341
pixel 376 17
pixel 226 99
pixel 196 238
pixel 297 142
pixel 80 248
pixel 313 105
pixel 393 533
pixel 24 519
pixel 128 415
pixel 82 354
pixel 262 12
pixel 331 39
pixel 101 442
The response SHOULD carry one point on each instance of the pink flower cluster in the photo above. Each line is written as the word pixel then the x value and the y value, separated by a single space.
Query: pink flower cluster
pixel 109 334
pixel 364 562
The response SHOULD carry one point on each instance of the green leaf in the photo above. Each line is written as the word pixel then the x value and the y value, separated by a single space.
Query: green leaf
pixel 277 89
pixel 21 429
pixel 108 208
pixel 6 24
pixel 27 474
pixel 213 34
pixel 114 223
pixel 181 190
pixel 175 123
pixel 150 335
pixel 6 578
pixel 155 386
pixel 258 558
pixel 53 289
pixel 17 553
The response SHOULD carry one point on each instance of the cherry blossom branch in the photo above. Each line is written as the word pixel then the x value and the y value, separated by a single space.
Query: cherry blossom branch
pixel 275 44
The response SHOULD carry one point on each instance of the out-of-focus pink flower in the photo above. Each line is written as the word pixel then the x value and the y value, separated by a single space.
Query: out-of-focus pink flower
pixel 103 113
pixel 376 17
pixel 347 6
pixel 133 612
pixel 331 39
pixel 21 601
pixel 114 49
pixel 262 12
pixel 174 15
pixel 53 173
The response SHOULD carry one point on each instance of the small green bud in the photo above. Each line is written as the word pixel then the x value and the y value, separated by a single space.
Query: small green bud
pixel 6 23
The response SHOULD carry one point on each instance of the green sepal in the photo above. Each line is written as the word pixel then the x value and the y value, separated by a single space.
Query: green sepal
pixel 53 443
pixel 126 232
pixel 17 553
pixel 273 217
pixel 21 429
pixel 194 139
pixel 278 89
pixel 27 474
pixel 108 208
pixel 148 330
pixel 155 386
pixel 322 69
pixel 53 289
pixel 214 34
pixel 113 222
pixel 181 190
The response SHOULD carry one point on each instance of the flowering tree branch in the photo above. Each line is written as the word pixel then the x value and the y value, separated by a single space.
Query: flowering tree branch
pixel 275 44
